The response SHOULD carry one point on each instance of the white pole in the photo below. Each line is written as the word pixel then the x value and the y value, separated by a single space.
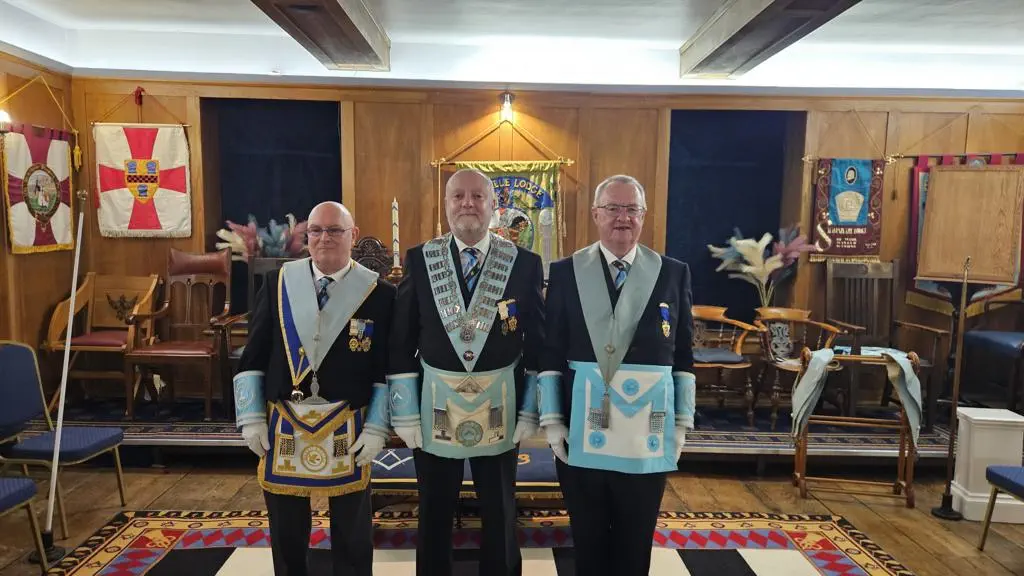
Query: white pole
pixel 64 376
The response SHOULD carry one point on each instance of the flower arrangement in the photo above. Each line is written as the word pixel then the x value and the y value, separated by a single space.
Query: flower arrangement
pixel 286 240
pixel 755 262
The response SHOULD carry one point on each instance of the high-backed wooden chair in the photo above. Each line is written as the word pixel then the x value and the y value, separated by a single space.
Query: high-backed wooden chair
pixel 718 345
pixel 104 334
pixel 195 307
pixel 784 333
pixel 372 253
pixel 863 300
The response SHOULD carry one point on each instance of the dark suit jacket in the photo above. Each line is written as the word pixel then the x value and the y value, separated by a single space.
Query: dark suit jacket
pixel 418 333
pixel 343 374
pixel 568 338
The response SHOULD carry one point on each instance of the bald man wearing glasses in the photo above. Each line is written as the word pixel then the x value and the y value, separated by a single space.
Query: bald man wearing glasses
pixel 311 393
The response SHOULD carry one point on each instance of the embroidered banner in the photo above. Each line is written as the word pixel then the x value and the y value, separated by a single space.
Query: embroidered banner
pixel 529 205
pixel 847 210
pixel 143 180
pixel 37 189
pixel 928 294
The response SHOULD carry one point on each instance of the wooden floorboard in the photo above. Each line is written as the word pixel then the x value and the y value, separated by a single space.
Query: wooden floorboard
pixel 926 545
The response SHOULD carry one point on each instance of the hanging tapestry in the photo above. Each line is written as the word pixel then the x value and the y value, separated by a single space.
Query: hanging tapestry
pixel 847 210
pixel 37 189
pixel 529 209
pixel 931 295
pixel 143 180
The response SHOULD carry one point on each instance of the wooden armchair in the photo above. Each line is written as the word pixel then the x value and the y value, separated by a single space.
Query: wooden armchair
pixel 105 335
pixel 718 345
pixel 191 332
pixel 784 333
pixel 863 300
pixel 372 253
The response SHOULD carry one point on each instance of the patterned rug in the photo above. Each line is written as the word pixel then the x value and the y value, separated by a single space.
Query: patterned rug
pixel 718 431
pixel 698 544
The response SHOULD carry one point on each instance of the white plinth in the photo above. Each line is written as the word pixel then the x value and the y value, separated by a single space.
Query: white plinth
pixel 986 437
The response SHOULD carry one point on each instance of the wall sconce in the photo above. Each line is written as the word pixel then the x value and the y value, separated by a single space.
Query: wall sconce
pixel 506 106
pixel 5 121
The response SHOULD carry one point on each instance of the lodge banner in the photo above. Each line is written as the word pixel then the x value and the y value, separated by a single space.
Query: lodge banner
pixel 37 189
pixel 529 204
pixel 847 210
pixel 143 182
pixel 926 293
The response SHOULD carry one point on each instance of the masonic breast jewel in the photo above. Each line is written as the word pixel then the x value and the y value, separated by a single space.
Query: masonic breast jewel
pixel 360 335
pixel 508 315
pixel 666 328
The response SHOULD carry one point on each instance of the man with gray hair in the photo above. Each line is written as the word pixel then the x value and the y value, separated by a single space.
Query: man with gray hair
pixel 466 339
pixel 616 383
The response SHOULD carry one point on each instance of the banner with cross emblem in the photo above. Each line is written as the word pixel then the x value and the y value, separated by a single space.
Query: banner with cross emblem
pixel 37 189
pixel 143 180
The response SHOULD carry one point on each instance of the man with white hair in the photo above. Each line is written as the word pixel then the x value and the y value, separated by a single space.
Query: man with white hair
pixel 468 328
pixel 616 383
pixel 311 393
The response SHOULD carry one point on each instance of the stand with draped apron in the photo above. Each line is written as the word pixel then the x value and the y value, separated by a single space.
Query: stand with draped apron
pixel 624 414
pixel 467 414
pixel 310 437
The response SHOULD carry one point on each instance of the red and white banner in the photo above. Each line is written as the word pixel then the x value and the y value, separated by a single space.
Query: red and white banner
pixel 143 180
pixel 37 189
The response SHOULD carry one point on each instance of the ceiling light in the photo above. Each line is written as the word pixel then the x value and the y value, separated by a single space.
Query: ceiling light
pixel 506 106
pixel 5 121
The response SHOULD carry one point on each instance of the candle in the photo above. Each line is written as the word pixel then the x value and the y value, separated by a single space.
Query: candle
pixel 394 233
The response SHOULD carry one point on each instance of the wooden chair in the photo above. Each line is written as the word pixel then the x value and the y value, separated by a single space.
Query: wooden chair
pixel 863 300
pixel 903 486
pixel 105 334
pixel 784 332
pixel 718 345
pixel 372 253
pixel 192 325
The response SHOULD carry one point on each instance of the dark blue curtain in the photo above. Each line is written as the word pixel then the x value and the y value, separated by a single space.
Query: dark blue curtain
pixel 277 157
pixel 725 172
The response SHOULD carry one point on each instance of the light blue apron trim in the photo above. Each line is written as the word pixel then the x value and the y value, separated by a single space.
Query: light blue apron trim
pixel 636 462
pixel 686 397
pixel 447 439
pixel 550 398
pixel 250 402
pixel 377 417
pixel 529 411
pixel 404 399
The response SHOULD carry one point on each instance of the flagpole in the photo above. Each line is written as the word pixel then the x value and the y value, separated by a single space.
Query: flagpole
pixel 53 552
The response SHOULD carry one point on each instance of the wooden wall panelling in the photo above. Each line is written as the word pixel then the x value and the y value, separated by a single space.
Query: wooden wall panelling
pixel 796 203
pixel 583 223
pixel 209 139
pixel 348 158
pixel 558 130
pixel 8 287
pixel 36 282
pixel 625 141
pixel 995 133
pixel 139 256
pixel 389 164
pixel 452 127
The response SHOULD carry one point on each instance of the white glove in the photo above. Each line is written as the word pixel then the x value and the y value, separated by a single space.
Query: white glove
pixel 524 430
pixel 411 435
pixel 558 435
pixel 257 436
pixel 680 441
pixel 366 448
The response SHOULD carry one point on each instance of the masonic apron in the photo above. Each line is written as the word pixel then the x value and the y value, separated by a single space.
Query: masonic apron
pixel 465 414
pixel 310 437
pixel 629 423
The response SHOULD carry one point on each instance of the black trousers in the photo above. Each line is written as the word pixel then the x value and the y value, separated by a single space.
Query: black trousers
pixel 351 533
pixel 494 479
pixel 612 516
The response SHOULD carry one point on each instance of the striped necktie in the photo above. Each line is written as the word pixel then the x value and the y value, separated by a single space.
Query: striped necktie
pixel 470 270
pixel 620 277
pixel 321 291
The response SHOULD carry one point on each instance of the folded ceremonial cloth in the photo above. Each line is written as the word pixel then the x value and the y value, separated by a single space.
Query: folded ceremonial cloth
pixel 808 389
pixel 908 386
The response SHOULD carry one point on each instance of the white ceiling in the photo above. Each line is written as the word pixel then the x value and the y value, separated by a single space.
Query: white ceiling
pixel 876 45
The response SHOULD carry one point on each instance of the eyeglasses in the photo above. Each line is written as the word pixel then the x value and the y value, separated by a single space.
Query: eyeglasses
pixel 631 210
pixel 334 232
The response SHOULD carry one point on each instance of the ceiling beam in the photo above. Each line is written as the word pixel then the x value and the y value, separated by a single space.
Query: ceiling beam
pixel 745 33
pixel 342 34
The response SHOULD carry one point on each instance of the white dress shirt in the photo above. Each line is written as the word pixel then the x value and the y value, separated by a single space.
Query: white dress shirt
pixel 609 257
pixel 481 246
pixel 337 276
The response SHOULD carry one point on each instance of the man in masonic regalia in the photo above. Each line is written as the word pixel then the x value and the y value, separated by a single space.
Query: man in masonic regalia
pixel 462 373
pixel 616 382
pixel 311 393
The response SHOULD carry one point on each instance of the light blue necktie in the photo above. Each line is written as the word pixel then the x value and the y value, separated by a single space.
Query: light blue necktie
pixel 620 277
pixel 321 291
pixel 470 270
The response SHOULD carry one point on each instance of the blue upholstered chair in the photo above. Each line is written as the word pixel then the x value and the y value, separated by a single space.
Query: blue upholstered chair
pixel 1009 479
pixel 22 392
pixel 15 494
pixel 995 357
